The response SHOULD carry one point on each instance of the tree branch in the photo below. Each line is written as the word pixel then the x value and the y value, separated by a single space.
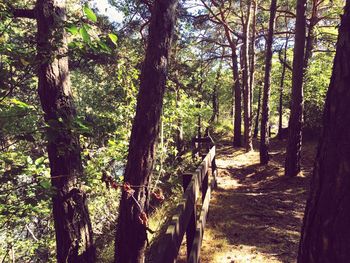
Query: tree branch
pixel 284 62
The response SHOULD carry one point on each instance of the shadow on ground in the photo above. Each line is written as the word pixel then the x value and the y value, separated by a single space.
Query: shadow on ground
pixel 256 212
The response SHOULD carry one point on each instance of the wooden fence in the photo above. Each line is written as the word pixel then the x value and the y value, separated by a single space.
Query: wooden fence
pixel 187 219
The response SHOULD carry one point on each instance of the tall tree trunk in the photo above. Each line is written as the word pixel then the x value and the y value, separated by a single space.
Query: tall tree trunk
pixel 252 57
pixel 326 233
pixel 264 135
pixel 280 104
pixel 215 102
pixel 292 163
pixel 70 212
pixel 256 129
pixel 310 39
pixel 237 121
pixel 131 233
pixel 215 97
pixel 236 88
pixel 199 106
pixel 248 142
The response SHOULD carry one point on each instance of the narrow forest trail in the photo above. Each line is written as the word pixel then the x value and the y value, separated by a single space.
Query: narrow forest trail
pixel 256 213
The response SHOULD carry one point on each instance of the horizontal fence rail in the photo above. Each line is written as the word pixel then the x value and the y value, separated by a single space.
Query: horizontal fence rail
pixel 185 220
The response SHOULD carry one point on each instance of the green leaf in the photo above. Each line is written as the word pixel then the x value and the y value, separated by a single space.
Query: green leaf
pixel 29 160
pixel 84 34
pixel 45 184
pixel 113 38
pixel 73 30
pixel 104 46
pixel 39 161
pixel 20 104
pixel 89 13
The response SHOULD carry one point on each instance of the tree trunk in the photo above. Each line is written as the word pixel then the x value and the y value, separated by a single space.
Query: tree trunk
pixel 292 163
pixel 256 129
pixel 236 88
pixel 252 57
pixel 237 122
pixel 326 233
pixel 280 106
pixel 215 97
pixel 248 142
pixel 199 105
pixel 310 39
pixel 131 233
pixel 264 135
pixel 70 212
pixel 215 102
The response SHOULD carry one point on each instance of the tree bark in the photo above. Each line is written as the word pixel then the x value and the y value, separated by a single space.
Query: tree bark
pixel 310 39
pixel 280 103
pixel 326 233
pixel 237 121
pixel 215 97
pixel 256 129
pixel 292 163
pixel 131 233
pixel 252 56
pixel 265 114
pixel 70 212
pixel 236 88
pixel 248 142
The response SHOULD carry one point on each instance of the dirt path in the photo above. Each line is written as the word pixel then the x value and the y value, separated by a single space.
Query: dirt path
pixel 256 213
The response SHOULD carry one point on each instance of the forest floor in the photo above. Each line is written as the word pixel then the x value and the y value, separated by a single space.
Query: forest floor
pixel 256 213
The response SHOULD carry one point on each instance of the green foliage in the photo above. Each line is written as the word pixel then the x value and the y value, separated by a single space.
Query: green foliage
pixel 84 33
pixel 113 38
pixel 315 89
pixel 89 13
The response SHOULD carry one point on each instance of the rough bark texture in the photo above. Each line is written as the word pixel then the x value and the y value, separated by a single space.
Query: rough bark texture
pixel 265 113
pixel 70 213
pixel 326 233
pixel 131 233
pixel 256 127
pixel 280 104
pixel 248 140
pixel 292 164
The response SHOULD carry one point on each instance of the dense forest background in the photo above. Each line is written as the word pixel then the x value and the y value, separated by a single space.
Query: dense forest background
pixel 217 81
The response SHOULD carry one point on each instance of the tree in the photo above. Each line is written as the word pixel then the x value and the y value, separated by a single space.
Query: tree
pixel 256 126
pixel 131 233
pixel 72 222
pixel 264 135
pixel 325 234
pixel 292 163
pixel 280 103
pixel 252 56
pixel 221 19
pixel 246 22
pixel 215 97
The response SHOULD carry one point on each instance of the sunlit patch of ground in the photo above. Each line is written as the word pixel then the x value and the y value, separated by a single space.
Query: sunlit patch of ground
pixel 256 213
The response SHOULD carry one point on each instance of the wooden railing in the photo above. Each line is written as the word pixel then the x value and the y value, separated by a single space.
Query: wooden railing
pixel 186 219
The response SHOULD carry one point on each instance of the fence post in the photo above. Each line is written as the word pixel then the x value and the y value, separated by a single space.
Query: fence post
pixel 214 169
pixel 205 183
pixel 191 228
